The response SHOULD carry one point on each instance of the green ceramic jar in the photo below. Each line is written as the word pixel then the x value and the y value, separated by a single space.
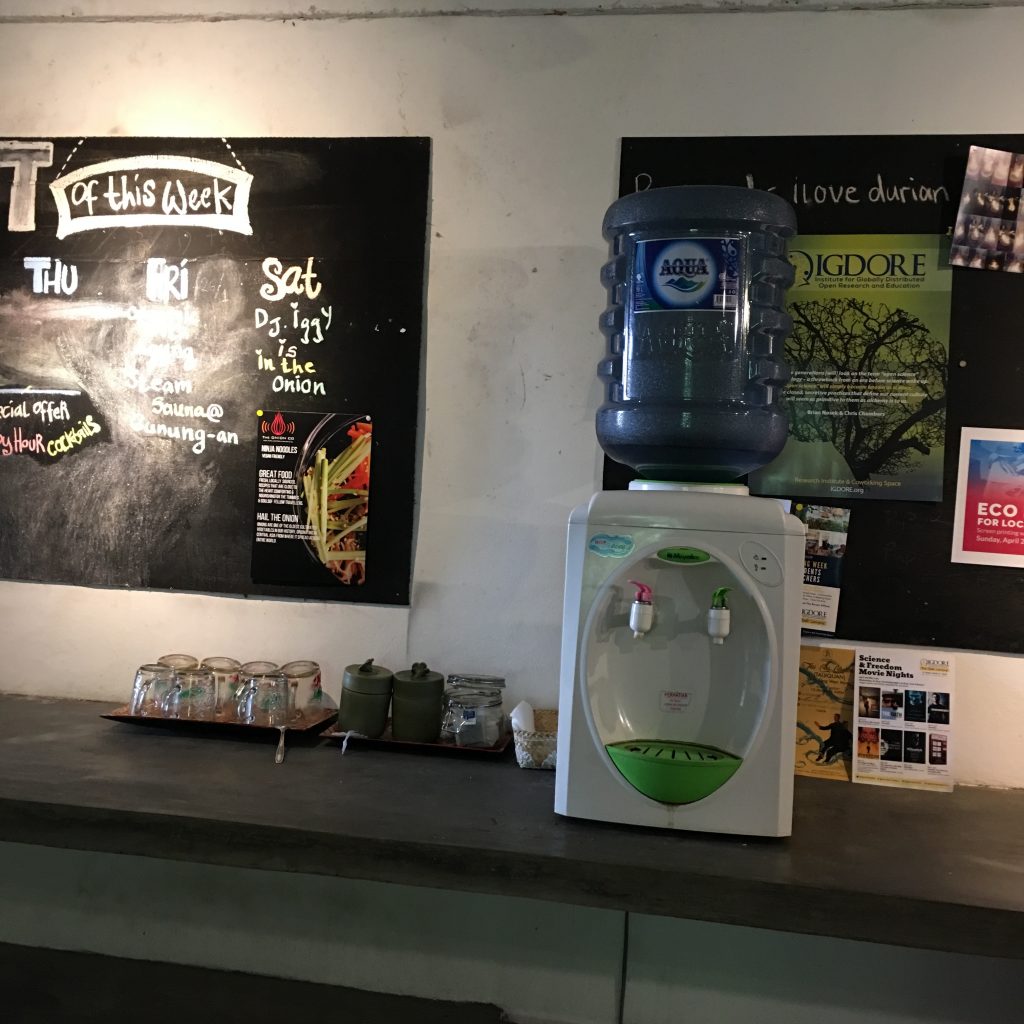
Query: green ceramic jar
pixel 417 705
pixel 365 696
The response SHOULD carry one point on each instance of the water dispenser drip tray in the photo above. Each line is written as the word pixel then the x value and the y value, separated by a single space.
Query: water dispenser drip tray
pixel 671 772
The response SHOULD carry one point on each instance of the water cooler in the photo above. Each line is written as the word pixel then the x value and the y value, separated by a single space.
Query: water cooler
pixel 681 620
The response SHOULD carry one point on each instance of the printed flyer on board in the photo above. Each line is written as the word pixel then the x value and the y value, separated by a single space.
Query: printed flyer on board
pixel 988 523
pixel 824 716
pixel 989 231
pixel 903 700
pixel 824 552
pixel 868 353
pixel 312 498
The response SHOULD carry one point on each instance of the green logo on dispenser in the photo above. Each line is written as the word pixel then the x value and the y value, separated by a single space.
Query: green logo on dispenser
pixel 684 556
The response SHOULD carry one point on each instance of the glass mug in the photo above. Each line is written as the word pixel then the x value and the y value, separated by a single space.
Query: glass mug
pixel 226 675
pixel 149 689
pixel 192 695
pixel 178 661
pixel 264 700
pixel 304 682
pixel 259 668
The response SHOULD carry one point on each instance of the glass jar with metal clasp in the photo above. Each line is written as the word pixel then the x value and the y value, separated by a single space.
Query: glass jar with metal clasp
pixel 473 714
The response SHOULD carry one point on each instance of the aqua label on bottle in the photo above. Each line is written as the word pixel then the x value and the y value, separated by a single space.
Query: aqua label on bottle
pixel 687 274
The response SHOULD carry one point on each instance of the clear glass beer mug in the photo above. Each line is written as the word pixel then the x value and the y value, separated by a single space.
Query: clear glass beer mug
pixel 149 689
pixel 178 661
pixel 263 699
pixel 304 682
pixel 226 676
pixel 192 695
pixel 258 668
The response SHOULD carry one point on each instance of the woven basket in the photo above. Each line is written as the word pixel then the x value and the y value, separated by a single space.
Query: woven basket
pixel 537 749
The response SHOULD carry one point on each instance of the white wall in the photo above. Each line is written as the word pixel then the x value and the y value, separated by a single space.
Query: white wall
pixel 525 114
pixel 177 10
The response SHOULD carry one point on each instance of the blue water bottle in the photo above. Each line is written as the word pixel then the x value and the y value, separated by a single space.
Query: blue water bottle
pixel 694 365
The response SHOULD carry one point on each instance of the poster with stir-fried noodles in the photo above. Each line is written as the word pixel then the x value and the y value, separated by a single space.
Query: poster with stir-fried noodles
pixel 312 499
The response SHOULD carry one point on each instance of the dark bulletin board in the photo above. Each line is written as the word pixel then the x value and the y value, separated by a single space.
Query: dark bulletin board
pixel 177 315
pixel 899 585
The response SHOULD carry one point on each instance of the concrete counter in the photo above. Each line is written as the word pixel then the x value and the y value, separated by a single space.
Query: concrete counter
pixel 934 871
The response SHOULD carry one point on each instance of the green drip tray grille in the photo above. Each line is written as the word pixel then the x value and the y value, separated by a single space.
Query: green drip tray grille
pixel 671 772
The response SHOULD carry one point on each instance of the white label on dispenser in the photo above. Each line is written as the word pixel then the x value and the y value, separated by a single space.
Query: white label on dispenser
pixel 609 545
pixel 675 700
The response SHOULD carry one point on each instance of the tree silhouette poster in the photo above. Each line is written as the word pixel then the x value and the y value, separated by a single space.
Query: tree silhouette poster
pixel 868 352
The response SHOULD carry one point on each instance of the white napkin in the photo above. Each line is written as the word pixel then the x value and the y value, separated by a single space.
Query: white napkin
pixel 522 717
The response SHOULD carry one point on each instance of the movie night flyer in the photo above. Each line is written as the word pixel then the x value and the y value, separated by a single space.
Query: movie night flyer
pixel 905 718
pixel 988 525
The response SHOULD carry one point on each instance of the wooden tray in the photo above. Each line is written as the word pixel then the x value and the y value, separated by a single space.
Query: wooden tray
pixel 225 726
pixel 387 742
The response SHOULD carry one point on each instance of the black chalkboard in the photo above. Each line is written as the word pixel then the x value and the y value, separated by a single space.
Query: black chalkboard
pixel 175 315
pixel 899 585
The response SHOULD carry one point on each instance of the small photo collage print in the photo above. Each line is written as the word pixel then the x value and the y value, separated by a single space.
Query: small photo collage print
pixel 989 231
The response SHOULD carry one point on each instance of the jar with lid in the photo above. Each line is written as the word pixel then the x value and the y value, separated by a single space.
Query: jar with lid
pixel 472 718
pixel 475 681
pixel 416 704
pixel 463 682
pixel 365 698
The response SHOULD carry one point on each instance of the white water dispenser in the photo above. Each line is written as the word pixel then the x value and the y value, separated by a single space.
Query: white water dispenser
pixel 681 620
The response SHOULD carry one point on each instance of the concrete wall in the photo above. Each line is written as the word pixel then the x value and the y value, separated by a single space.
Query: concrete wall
pixel 248 10
pixel 525 113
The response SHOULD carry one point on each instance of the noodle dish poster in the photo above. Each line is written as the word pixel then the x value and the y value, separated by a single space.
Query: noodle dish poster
pixel 312 499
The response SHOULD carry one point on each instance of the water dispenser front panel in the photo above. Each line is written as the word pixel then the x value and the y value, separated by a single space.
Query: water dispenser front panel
pixel 674 684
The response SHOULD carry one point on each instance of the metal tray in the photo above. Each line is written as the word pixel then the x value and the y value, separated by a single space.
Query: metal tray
pixel 305 725
pixel 386 742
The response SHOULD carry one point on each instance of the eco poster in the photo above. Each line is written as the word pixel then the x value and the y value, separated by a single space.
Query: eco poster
pixel 988 524
pixel 824 717
pixel 312 498
pixel 903 700
pixel 868 354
